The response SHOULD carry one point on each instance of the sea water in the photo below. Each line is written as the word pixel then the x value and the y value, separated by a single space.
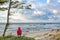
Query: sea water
pixel 28 27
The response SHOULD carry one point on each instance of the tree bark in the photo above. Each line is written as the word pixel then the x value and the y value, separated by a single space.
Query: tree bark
pixel 7 24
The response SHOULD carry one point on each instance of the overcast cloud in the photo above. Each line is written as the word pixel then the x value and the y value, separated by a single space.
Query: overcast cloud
pixel 42 11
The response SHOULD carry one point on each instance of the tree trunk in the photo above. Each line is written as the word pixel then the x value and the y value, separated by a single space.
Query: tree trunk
pixel 7 24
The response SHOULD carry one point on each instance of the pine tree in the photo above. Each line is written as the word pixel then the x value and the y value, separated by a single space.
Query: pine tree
pixel 12 4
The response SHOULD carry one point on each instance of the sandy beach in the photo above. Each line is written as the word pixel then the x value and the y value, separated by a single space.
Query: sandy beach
pixel 42 34
pixel 34 33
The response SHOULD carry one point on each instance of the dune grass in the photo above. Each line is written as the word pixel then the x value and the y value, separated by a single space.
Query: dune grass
pixel 15 38
pixel 57 36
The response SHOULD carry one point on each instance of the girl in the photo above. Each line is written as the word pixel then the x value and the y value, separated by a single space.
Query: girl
pixel 19 31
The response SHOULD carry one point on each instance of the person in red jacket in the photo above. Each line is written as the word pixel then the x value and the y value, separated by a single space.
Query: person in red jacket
pixel 19 31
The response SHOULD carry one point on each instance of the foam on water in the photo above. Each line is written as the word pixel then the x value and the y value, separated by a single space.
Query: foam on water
pixel 29 27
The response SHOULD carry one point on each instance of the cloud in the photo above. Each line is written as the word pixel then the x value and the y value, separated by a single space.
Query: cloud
pixel 18 16
pixel 33 6
pixel 38 12
pixel 3 16
pixel 48 1
pixel 58 1
pixel 54 11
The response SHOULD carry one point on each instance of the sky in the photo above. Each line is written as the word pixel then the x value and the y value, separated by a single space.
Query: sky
pixel 41 11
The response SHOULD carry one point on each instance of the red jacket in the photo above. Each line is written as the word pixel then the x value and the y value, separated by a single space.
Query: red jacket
pixel 19 31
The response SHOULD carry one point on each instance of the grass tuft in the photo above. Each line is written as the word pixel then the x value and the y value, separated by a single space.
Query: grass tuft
pixel 15 38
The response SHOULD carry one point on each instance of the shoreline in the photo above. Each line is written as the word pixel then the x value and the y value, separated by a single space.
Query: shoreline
pixel 40 35
pixel 33 33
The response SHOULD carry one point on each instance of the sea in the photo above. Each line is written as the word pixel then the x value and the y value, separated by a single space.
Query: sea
pixel 29 26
